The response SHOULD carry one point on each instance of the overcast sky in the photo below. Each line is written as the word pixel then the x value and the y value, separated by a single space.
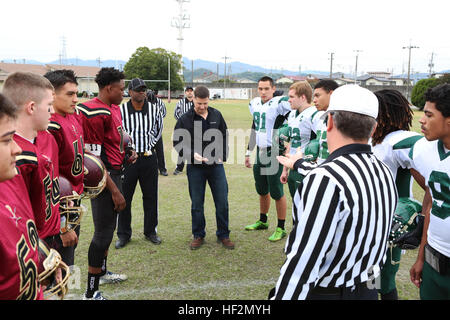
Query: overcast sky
pixel 288 34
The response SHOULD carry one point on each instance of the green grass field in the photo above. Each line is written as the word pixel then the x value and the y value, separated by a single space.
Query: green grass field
pixel 173 271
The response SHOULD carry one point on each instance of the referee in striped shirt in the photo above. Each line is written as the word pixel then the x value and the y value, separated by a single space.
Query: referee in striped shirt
pixel 342 210
pixel 143 121
pixel 181 108
pixel 159 147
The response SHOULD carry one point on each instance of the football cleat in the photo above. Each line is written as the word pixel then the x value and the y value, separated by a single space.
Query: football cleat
pixel 259 225
pixel 95 175
pixel 110 277
pixel 277 235
pixel 97 296
pixel 49 263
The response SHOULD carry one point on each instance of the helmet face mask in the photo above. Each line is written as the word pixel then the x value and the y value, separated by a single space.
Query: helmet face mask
pixel 49 263
pixel 95 175
pixel 72 211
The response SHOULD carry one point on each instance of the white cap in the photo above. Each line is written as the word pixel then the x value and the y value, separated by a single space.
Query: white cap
pixel 353 98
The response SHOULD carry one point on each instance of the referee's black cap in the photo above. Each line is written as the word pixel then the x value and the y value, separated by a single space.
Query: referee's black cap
pixel 188 88
pixel 136 83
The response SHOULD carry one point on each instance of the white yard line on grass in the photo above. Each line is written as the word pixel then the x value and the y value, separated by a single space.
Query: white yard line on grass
pixel 181 288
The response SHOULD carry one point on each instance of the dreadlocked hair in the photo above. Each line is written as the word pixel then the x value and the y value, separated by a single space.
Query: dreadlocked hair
pixel 394 114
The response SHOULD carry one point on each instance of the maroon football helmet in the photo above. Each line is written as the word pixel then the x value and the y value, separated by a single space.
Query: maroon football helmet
pixel 128 144
pixel 70 206
pixel 94 176
pixel 128 147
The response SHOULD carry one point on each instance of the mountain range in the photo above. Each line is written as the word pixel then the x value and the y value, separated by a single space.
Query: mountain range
pixel 202 66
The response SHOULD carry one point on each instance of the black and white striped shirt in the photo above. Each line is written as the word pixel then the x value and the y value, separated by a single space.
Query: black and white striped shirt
pixel 342 215
pixel 162 107
pixel 144 126
pixel 182 107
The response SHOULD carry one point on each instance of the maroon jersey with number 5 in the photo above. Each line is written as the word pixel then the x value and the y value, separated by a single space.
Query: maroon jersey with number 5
pixel 18 244
pixel 102 127
pixel 49 170
pixel 37 165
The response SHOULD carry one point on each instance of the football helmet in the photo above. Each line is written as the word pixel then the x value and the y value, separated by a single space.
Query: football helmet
pixel 128 147
pixel 94 176
pixel 70 207
pixel 49 262
pixel 128 144
pixel 312 151
pixel 407 218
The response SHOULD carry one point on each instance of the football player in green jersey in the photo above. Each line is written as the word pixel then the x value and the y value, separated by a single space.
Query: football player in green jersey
pixel 269 113
pixel 431 157
pixel 303 122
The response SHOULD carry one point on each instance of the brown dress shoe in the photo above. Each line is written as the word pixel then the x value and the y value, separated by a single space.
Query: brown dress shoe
pixel 226 242
pixel 197 243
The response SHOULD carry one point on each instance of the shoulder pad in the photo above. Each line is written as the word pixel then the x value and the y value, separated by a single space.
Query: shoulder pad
pixel 90 112
pixel 26 157
pixel 53 125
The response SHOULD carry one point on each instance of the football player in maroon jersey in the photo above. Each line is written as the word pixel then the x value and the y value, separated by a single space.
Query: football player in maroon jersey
pixel 38 164
pixel 18 234
pixel 103 135
pixel 66 128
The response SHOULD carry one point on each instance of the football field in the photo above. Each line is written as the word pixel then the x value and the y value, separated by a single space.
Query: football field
pixel 172 270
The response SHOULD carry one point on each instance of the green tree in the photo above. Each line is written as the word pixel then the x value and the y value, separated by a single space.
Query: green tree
pixel 445 78
pixel 418 92
pixel 153 65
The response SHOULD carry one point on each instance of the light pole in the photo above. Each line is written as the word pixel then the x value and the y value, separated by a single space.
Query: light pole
pixel 168 78
pixel 224 75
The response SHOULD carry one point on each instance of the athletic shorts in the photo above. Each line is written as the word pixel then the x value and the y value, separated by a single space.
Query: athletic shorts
pixel 267 171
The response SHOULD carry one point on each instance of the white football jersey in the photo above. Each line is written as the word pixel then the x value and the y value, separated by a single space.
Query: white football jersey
pixel 303 127
pixel 394 152
pixel 323 145
pixel 267 117
pixel 432 160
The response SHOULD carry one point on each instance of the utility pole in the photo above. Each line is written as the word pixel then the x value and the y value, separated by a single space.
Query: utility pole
pixel 409 68
pixel 99 61
pixel 192 71
pixel 431 65
pixel 225 75
pixel 181 22
pixel 331 64
pixel 356 64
